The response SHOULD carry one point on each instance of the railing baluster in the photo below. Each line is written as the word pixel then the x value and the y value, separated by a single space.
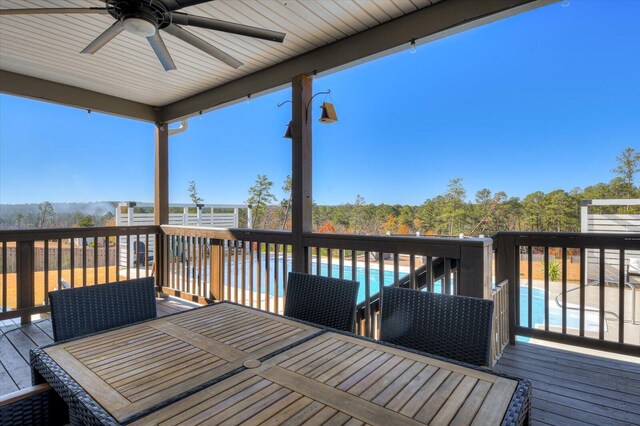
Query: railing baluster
pixel 4 276
pixel 446 283
pixel 429 277
pixel 136 252
pixel 96 260
pixel 601 295
pixel 354 265
pixel 106 258
pixel 46 272
pixel 267 273
pixel 128 256
pixel 251 273
pixel 72 262
pixel 621 285
pixel 146 257
pixel 229 242
pixel 201 252
pixel 236 283
pixel 206 272
pixel 329 263
pixel 318 263
pixel 259 261
pixel 412 271
pixel 285 277
pixel 546 288
pixel 529 284
pixel 583 270
pixel 396 268
pixel 367 295
pixel 341 263
pixel 244 272
pixel 381 271
pixel 275 279
pixel 564 290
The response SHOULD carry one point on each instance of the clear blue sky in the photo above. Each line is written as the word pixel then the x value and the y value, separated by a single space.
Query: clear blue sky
pixel 539 101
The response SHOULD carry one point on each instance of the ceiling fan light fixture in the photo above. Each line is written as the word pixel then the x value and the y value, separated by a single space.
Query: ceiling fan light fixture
pixel 139 27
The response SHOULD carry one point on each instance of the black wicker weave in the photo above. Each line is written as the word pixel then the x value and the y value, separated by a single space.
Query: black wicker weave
pixel 330 302
pixel 84 310
pixel 42 408
pixel 455 327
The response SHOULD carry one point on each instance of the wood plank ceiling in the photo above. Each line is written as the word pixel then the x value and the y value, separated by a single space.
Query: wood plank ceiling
pixel 48 46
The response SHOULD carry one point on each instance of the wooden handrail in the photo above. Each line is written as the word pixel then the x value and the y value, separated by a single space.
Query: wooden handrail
pixel 240 234
pixel 65 233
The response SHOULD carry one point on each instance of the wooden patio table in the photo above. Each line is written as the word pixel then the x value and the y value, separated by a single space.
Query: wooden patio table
pixel 229 364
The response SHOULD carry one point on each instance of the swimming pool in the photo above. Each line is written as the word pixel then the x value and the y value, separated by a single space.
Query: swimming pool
pixel 555 311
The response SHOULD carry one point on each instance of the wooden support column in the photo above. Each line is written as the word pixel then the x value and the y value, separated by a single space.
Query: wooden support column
pixel 24 282
pixel 161 199
pixel 301 164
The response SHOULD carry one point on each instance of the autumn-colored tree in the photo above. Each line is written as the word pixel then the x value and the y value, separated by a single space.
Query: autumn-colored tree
pixel 327 227
pixel 391 224
pixel 404 230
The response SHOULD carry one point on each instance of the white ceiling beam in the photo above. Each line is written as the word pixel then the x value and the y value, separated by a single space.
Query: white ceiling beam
pixel 45 90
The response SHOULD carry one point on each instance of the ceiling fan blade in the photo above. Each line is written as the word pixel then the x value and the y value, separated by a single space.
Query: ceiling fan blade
pixel 196 41
pixel 54 11
pixel 225 26
pixel 172 5
pixel 104 38
pixel 162 52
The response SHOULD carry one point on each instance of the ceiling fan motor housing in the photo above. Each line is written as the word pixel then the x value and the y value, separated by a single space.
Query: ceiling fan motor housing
pixel 142 18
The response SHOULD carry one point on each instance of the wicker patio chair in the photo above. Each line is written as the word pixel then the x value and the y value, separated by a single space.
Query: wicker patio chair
pixel 455 327
pixel 330 302
pixel 36 405
pixel 84 310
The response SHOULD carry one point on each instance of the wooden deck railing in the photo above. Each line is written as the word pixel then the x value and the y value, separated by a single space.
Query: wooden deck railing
pixel 572 288
pixel 34 262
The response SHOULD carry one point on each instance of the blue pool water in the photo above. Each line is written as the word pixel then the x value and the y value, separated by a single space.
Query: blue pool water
pixel 555 312
pixel 374 276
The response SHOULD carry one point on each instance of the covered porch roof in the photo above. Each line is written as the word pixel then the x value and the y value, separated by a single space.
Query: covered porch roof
pixel 40 59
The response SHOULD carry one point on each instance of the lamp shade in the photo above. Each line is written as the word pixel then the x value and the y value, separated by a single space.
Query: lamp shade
pixel 328 113
pixel 287 134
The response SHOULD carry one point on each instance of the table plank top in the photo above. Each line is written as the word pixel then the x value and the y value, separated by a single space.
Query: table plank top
pixel 340 379
pixel 134 368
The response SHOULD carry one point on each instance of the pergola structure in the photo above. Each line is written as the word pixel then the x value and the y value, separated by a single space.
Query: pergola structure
pixel 40 59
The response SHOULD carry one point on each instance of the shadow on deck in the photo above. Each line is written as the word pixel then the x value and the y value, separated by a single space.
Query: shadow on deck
pixel 16 340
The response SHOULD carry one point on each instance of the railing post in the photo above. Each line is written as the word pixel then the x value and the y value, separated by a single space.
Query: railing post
pixel 506 270
pixel 24 278
pixel 474 270
pixel 217 263
pixel 301 163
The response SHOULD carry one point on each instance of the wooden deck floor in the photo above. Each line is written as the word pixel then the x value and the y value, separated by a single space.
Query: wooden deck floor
pixel 16 340
pixel 569 388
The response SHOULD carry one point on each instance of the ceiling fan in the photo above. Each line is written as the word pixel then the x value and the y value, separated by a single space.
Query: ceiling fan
pixel 144 18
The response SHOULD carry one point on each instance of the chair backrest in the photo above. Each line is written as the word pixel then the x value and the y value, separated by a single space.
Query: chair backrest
pixel 455 327
pixel 330 302
pixel 84 310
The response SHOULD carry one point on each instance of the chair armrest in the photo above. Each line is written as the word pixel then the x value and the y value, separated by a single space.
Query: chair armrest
pixel 26 393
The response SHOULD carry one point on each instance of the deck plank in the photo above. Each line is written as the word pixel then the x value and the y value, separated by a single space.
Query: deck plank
pixel 570 388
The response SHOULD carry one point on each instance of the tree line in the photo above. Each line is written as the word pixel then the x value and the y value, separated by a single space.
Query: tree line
pixel 453 213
